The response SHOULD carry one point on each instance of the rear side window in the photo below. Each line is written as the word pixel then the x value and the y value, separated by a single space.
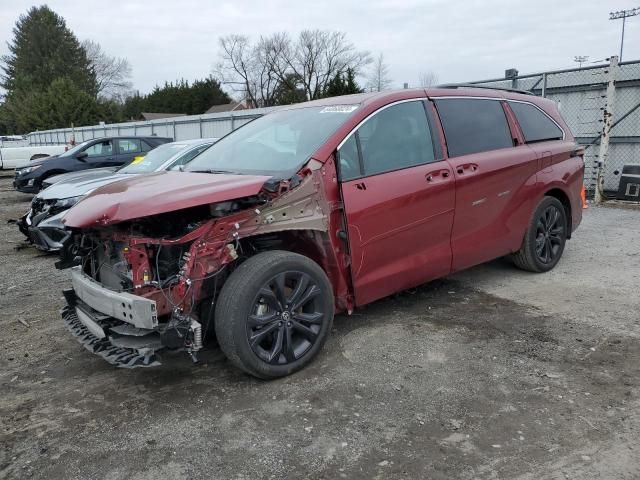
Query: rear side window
pixel 129 145
pixel 473 125
pixel 535 125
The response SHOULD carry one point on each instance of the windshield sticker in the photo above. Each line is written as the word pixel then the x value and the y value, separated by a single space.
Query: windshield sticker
pixel 339 109
pixel 137 160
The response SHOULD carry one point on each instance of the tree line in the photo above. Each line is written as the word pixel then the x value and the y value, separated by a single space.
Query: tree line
pixel 52 80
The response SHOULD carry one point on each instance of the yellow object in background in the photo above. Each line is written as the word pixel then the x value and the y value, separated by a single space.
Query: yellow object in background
pixel 137 160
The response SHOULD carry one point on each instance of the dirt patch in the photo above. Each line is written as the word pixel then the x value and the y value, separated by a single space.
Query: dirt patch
pixel 444 381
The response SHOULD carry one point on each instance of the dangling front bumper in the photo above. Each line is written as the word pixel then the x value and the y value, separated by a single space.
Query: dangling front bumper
pixel 95 334
pixel 120 327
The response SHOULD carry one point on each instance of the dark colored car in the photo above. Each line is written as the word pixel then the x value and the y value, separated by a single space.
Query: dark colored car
pixel 313 209
pixel 42 224
pixel 101 152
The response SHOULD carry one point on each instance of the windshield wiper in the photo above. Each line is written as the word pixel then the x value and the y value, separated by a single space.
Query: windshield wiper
pixel 213 171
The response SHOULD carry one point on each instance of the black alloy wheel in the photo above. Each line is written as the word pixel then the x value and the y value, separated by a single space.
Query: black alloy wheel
pixel 286 318
pixel 274 313
pixel 545 239
pixel 550 234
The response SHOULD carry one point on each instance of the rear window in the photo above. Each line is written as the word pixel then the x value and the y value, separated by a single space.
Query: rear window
pixel 536 126
pixel 473 125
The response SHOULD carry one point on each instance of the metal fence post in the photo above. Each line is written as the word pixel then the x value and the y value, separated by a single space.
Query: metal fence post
pixel 607 118
pixel 544 84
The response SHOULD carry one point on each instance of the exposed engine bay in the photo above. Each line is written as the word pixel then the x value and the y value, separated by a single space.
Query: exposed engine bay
pixel 150 284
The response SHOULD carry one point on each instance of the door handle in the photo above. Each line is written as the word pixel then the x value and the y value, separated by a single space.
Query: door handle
pixel 467 168
pixel 432 176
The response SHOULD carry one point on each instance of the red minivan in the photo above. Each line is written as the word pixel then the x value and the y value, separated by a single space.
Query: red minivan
pixel 314 209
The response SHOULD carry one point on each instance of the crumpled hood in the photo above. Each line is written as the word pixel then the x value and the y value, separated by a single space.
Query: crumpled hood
pixel 156 193
pixel 79 186
pixel 81 175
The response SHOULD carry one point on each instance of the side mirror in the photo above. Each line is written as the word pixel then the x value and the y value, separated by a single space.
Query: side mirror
pixel 82 156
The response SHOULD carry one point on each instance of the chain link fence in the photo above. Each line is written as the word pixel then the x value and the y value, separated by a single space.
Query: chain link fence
pixel 179 128
pixel 605 120
pixel 597 116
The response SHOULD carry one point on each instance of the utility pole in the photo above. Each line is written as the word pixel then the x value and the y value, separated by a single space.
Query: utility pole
pixel 623 14
pixel 580 59
pixel 607 117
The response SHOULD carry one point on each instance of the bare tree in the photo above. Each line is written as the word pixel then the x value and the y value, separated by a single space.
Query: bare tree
pixel 428 79
pixel 259 70
pixel 113 74
pixel 378 78
pixel 318 55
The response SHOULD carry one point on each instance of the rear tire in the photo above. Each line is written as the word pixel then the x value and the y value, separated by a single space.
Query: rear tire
pixel 545 238
pixel 274 314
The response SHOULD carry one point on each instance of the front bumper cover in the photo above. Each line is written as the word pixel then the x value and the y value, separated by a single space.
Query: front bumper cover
pixel 102 345
pixel 23 185
pixel 45 233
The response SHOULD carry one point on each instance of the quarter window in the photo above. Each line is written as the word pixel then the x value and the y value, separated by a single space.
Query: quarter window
pixel 473 125
pixel 535 125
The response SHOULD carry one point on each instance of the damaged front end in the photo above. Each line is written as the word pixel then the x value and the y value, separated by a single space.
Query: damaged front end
pixel 146 284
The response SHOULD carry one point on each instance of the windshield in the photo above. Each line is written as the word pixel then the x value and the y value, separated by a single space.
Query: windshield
pixel 74 150
pixel 277 144
pixel 154 159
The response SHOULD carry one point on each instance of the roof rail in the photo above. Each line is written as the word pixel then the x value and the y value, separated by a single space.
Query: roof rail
pixel 471 85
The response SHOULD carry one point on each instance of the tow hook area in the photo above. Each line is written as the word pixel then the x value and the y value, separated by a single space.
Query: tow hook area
pixel 182 331
pixel 126 345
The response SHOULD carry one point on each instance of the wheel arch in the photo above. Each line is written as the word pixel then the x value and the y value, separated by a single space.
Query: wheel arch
pixel 563 198
pixel 313 244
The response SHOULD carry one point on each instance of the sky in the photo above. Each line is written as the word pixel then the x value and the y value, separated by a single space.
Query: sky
pixel 458 40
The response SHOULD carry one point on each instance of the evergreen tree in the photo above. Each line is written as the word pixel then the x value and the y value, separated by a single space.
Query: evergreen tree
pixel 43 49
pixel 342 84
pixel 289 91
pixel 179 97
pixel 58 106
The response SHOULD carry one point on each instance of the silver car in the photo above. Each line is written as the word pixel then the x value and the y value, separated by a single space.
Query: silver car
pixel 42 224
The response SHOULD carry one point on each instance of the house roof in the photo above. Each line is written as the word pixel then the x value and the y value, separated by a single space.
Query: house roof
pixel 226 107
pixel 158 115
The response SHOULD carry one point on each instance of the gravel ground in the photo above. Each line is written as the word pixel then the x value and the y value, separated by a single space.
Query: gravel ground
pixel 492 373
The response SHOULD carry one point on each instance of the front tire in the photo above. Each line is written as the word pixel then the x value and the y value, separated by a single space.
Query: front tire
pixel 274 314
pixel 545 238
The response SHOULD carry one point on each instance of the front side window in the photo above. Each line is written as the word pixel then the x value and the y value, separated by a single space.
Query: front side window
pixel 396 137
pixel 473 125
pixel 100 149
pixel 535 125
pixel 129 145
pixel 276 144
pixel 348 160
pixel 77 149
